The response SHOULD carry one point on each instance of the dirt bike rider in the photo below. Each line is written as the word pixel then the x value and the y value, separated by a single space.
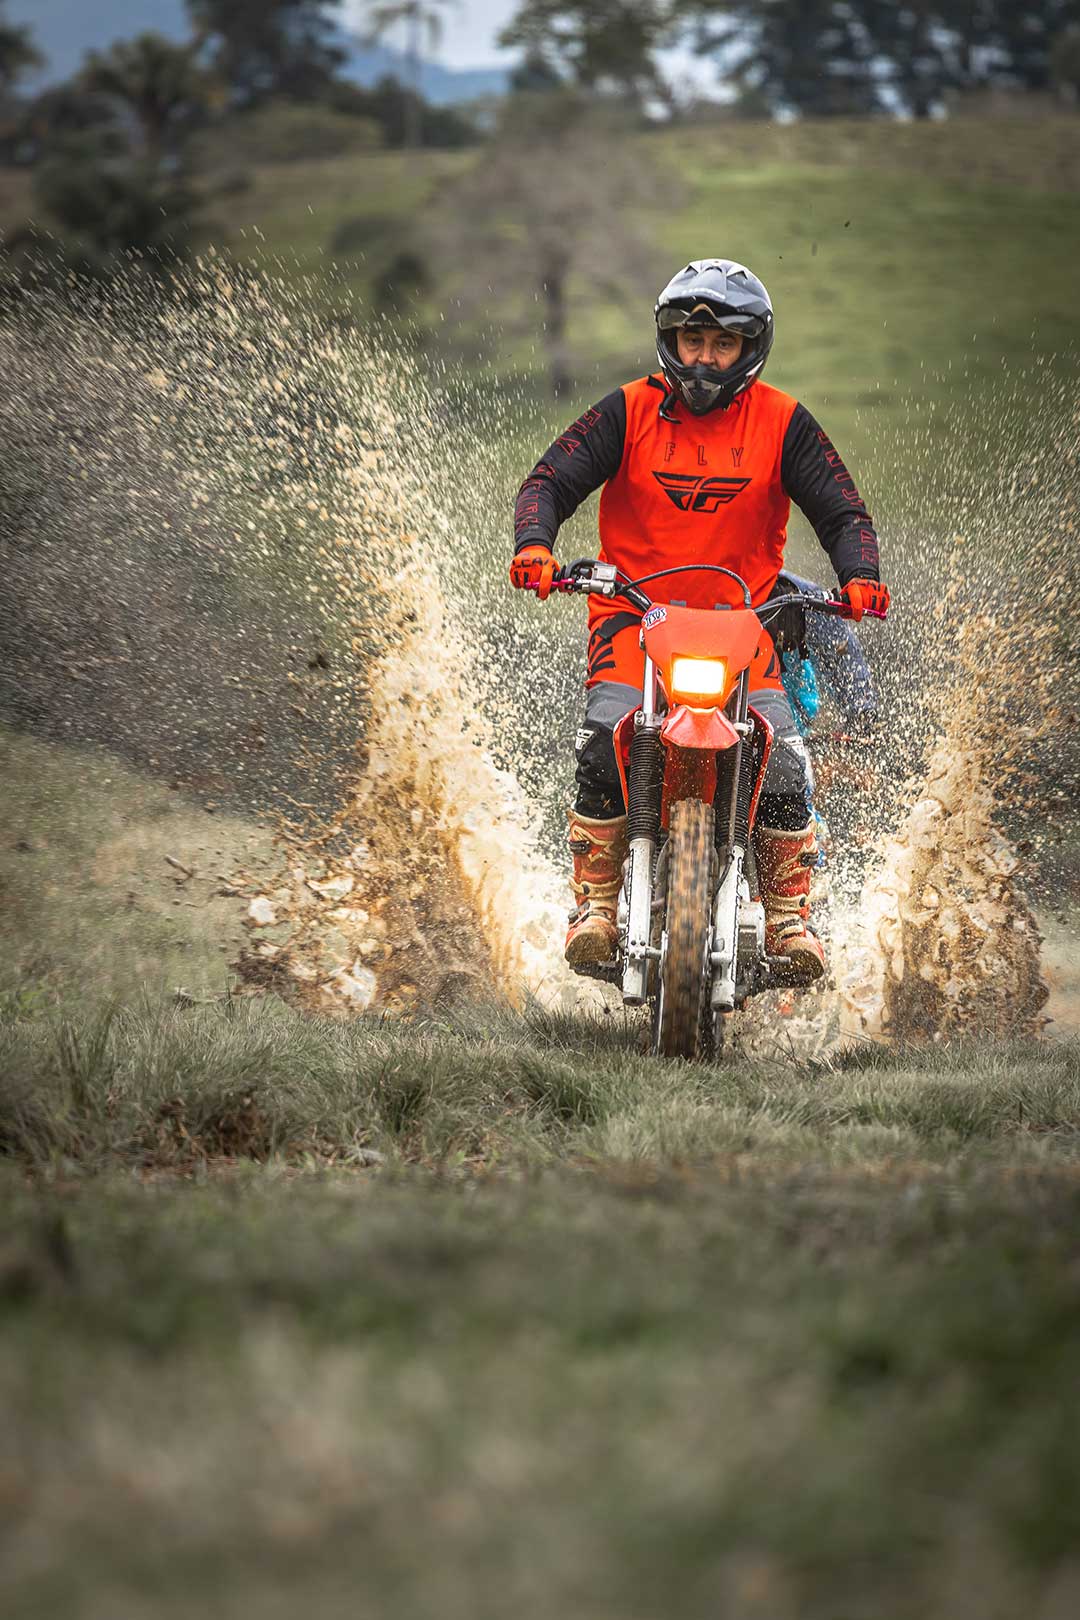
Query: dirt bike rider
pixel 700 463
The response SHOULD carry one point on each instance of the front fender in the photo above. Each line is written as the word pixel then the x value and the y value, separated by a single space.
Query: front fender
pixel 710 729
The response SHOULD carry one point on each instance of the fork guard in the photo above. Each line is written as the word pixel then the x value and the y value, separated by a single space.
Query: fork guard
pixel 684 727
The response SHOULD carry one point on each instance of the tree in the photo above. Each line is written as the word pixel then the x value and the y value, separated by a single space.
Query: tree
pixel 18 54
pixel 1065 63
pixel 108 151
pixel 917 56
pixel 111 211
pixel 262 48
pixel 534 75
pixel 818 57
pixel 596 44
pixel 408 121
pixel 537 220
pixel 813 57
pixel 157 84
pixel 420 18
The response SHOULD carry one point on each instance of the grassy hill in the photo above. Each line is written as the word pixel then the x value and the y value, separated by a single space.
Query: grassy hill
pixel 913 267
pixel 895 254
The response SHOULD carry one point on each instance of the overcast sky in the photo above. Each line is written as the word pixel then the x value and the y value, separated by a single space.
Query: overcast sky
pixel 469 31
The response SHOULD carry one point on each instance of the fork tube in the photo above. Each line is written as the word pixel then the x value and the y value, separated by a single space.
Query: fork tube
pixel 736 776
pixel 644 791
pixel 648 697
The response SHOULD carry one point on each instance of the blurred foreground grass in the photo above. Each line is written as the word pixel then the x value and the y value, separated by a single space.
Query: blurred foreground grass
pixel 493 1315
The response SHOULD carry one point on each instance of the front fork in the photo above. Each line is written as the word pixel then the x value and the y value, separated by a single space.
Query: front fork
pixel 644 795
pixel 734 790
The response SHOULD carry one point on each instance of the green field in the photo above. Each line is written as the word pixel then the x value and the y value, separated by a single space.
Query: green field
pixel 911 266
pixel 486 1313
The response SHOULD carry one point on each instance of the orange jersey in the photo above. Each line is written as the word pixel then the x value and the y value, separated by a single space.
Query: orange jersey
pixel 707 489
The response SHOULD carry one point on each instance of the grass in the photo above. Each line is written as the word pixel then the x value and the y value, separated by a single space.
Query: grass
pixel 494 1315
pixel 91 905
pixel 172 1088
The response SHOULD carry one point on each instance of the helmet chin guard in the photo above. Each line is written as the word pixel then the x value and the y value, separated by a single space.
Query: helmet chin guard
pixel 713 292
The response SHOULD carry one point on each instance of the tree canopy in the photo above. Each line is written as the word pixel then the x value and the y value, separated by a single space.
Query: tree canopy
pixel 262 48
pixel 814 57
pixel 155 82
pixel 18 53
pixel 595 44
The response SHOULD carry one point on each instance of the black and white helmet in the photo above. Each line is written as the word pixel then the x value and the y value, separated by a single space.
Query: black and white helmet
pixel 713 292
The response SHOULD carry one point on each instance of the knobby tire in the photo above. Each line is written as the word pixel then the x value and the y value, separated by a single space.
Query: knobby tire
pixel 683 1008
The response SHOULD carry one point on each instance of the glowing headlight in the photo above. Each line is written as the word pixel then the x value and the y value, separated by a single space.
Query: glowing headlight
pixel 698 677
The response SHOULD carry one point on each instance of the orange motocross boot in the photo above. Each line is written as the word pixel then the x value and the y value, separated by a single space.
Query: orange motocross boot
pixel 598 849
pixel 784 862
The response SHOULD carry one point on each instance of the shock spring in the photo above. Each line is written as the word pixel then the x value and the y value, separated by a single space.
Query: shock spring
pixel 645 784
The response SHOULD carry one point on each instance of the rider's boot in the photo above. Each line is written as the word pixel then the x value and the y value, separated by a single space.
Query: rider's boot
pixel 785 860
pixel 598 849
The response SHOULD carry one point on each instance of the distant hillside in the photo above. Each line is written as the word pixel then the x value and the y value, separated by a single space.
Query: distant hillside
pixel 64 32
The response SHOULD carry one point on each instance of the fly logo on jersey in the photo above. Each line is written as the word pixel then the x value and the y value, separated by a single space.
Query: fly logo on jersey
pixel 692 494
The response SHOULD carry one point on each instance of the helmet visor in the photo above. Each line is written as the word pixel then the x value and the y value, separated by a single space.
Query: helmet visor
pixel 670 317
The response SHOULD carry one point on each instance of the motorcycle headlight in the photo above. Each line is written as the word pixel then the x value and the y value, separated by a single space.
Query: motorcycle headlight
pixel 698 678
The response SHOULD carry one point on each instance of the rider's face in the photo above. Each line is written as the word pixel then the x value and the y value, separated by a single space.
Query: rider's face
pixel 708 346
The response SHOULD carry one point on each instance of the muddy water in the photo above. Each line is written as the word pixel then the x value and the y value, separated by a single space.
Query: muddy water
pixel 313 520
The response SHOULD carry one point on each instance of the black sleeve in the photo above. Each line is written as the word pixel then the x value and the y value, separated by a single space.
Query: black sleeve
pixel 815 477
pixel 580 460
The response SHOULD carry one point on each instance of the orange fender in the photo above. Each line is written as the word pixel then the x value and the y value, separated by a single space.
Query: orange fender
pixel 684 727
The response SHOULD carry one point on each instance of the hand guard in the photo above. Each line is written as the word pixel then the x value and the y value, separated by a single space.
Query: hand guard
pixel 533 569
pixel 861 596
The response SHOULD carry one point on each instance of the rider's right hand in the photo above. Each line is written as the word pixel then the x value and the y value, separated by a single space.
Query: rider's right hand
pixel 533 569
pixel 861 596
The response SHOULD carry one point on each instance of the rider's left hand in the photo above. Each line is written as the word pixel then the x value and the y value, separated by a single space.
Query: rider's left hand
pixel 861 596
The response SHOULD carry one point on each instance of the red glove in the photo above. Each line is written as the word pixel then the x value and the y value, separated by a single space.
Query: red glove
pixel 861 596
pixel 533 569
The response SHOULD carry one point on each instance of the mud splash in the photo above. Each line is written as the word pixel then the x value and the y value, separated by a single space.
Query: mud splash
pixel 944 940
pixel 430 882
pixel 233 437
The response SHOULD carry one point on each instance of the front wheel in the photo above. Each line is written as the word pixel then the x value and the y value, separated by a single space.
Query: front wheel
pixel 682 1005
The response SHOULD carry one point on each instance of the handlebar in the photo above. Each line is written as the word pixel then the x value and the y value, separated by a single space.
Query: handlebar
pixel 587 577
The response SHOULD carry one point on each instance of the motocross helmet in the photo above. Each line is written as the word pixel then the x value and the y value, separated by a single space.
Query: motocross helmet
pixel 713 292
